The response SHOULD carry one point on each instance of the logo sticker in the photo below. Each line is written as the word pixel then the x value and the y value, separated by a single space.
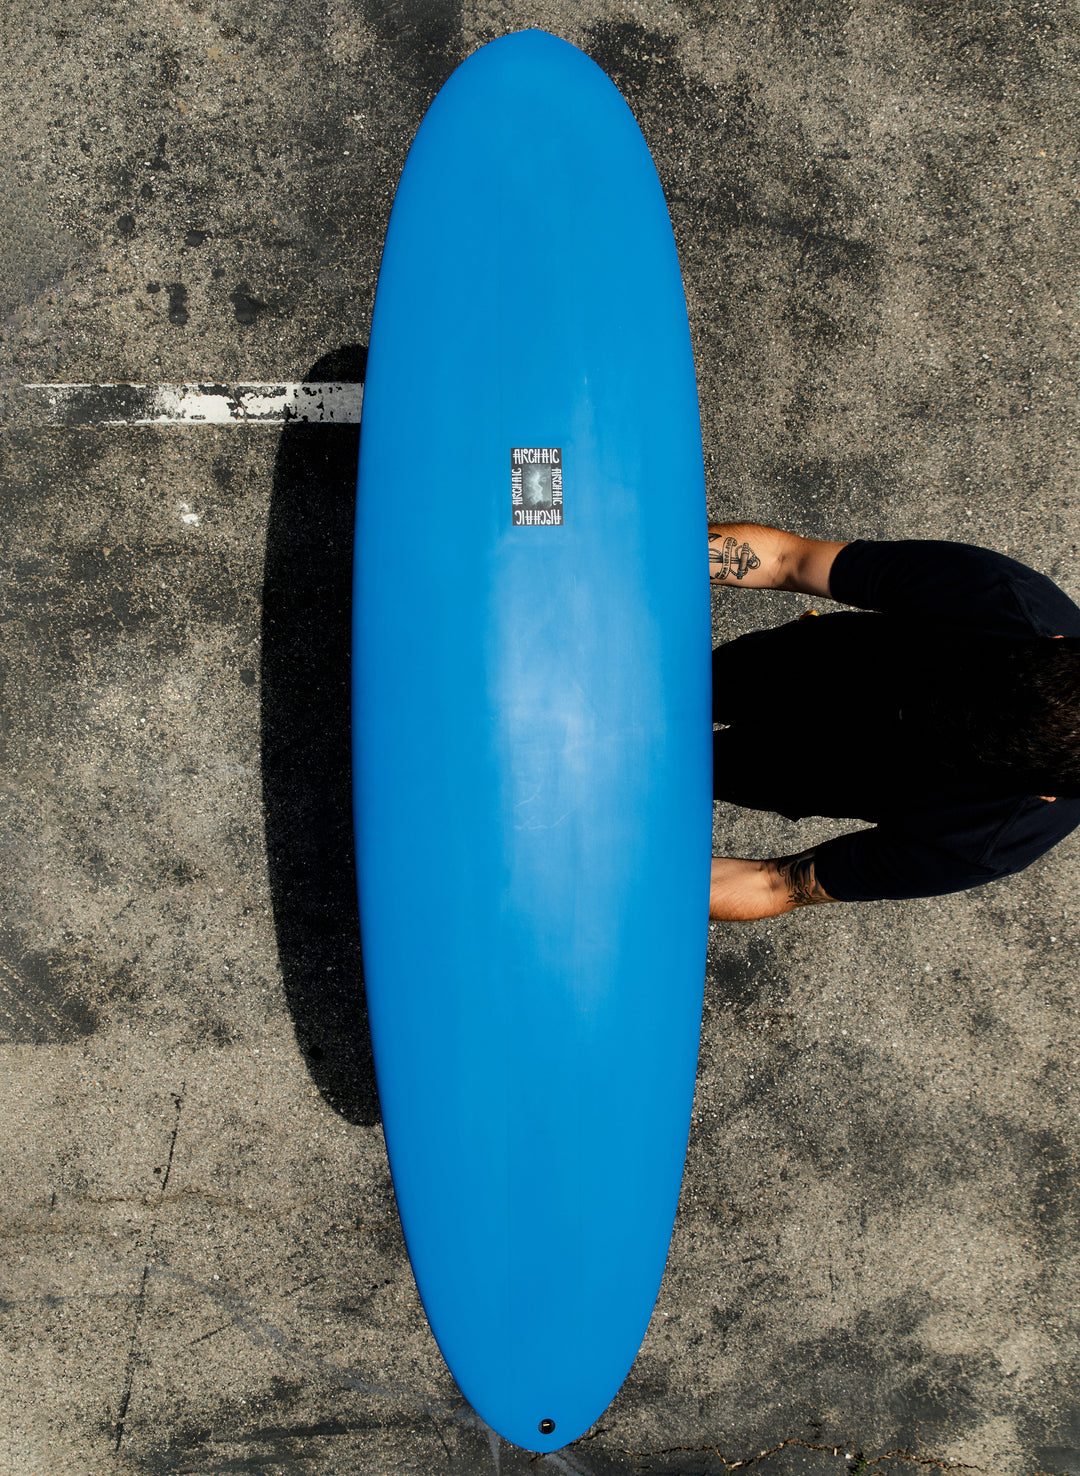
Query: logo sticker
pixel 535 485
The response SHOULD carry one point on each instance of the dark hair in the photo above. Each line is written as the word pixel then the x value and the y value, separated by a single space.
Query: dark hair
pixel 1010 708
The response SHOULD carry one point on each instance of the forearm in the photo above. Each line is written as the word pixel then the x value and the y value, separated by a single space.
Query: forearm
pixel 744 890
pixel 746 554
pixel 755 557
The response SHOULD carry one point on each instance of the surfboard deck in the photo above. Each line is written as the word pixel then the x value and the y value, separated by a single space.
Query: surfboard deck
pixel 532 729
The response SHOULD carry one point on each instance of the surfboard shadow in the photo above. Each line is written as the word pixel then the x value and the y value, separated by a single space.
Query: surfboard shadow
pixel 307 594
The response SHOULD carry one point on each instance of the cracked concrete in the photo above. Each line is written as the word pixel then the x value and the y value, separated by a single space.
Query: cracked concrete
pixel 874 1267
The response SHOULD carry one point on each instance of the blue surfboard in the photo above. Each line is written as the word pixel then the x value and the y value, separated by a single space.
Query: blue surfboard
pixel 531 729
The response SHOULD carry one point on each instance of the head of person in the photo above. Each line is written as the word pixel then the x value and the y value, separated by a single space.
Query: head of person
pixel 1012 707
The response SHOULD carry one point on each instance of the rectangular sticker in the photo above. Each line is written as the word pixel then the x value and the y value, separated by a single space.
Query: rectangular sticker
pixel 536 490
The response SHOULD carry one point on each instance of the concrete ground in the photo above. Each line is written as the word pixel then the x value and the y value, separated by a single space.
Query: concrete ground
pixel 875 1264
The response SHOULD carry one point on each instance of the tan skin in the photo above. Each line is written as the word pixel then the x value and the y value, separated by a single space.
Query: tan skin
pixel 750 556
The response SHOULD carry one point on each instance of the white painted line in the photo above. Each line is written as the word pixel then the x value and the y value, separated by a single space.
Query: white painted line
pixel 90 405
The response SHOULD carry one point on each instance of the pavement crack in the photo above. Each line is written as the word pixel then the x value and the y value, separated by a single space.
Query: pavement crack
pixel 931 1462
pixel 54 1222
pixel 211 1334
pixel 129 1371
pixel 140 1300
pixel 179 1100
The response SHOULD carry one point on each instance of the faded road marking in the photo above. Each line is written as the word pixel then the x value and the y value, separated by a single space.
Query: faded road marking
pixel 281 403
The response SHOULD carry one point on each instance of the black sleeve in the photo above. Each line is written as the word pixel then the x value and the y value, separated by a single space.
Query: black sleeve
pixel 874 866
pixel 892 861
pixel 963 587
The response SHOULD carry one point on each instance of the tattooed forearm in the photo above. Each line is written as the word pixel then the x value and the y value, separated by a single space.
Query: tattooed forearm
pixel 730 558
pixel 798 875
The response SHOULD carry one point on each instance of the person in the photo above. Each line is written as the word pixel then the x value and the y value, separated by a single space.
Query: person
pixel 944 710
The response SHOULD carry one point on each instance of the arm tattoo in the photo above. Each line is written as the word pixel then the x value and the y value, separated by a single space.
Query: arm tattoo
pixel 730 558
pixel 798 875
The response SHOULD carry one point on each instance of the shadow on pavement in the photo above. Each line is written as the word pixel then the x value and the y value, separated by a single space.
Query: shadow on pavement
pixel 307 596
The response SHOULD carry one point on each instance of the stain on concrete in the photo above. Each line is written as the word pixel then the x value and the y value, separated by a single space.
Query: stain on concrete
pixel 40 999
pixel 1004 57
pixel 246 306
pixel 735 977
pixel 178 309
pixel 424 35
pixel 1055 1195
pixel 1056 1447
pixel 103 593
